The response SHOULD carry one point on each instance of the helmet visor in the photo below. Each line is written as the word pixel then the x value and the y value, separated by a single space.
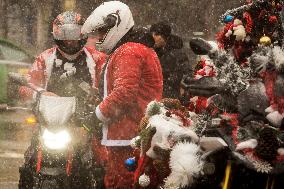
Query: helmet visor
pixel 67 32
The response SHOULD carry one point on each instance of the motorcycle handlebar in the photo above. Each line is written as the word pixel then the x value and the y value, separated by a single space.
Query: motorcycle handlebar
pixel 5 107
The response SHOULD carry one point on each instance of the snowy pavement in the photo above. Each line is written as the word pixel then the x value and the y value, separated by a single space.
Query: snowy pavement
pixel 14 140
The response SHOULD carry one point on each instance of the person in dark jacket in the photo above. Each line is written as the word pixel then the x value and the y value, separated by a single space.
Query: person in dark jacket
pixel 173 59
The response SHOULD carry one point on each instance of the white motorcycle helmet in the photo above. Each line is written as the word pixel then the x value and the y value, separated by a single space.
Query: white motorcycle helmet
pixel 67 27
pixel 112 18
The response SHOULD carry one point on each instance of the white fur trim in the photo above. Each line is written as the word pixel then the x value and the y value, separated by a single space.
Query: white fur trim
pixel 184 163
pixel 269 109
pixel 133 142
pixel 91 64
pixel 250 144
pixel 275 118
pixel 105 81
pixel 107 142
pixel 165 127
pixel 115 142
pixel 280 151
pixel 100 115
pixel 144 180
pixel 212 143
pixel 229 33
pixel 278 55
pixel 214 49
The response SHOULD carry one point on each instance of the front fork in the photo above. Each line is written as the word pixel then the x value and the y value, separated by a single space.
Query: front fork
pixel 68 166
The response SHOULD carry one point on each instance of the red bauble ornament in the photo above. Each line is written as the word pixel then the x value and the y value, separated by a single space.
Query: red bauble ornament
pixel 273 19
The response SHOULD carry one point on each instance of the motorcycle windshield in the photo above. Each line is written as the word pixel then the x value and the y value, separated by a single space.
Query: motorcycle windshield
pixel 57 111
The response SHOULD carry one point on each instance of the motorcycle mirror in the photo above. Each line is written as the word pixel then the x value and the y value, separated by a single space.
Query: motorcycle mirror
pixel 200 46
pixel 18 78
pixel 206 86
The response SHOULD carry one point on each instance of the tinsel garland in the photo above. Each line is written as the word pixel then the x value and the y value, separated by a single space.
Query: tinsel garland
pixel 171 103
pixel 183 115
pixel 146 137
pixel 201 123
pixel 258 165
pixel 259 18
pixel 143 123
pixel 231 74
pixel 153 108
pixel 144 180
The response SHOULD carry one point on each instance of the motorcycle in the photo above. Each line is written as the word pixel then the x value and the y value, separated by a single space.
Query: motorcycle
pixel 256 158
pixel 60 154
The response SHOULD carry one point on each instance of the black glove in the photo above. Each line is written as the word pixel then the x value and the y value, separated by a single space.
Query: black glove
pixel 92 123
pixel 86 119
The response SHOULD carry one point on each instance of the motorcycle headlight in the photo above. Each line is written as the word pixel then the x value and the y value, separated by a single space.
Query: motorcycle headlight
pixel 57 140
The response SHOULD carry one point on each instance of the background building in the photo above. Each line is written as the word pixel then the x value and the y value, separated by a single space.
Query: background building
pixel 27 23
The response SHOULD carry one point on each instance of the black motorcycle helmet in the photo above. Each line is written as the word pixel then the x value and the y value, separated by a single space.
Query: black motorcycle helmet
pixel 67 32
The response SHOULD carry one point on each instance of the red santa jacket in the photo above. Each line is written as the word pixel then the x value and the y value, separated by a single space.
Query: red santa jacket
pixel 132 78
pixel 40 72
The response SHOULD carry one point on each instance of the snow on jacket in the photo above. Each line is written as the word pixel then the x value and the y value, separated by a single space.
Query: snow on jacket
pixel 132 79
pixel 41 70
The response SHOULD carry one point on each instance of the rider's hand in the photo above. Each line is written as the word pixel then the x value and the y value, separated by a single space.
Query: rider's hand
pixel 91 120
pixel 93 124
pixel 94 97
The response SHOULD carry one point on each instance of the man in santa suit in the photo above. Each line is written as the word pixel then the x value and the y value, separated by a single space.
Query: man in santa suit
pixel 68 60
pixel 61 70
pixel 132 77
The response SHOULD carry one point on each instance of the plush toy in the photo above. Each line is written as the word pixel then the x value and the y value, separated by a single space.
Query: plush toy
pixel 170 150
pixel 256 22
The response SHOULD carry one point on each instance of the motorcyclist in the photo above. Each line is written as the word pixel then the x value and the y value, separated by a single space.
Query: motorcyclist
pixel 132 78
pixel 67 61
pixel 67 69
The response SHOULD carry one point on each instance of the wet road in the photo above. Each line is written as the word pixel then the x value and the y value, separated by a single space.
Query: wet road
pixel 14 139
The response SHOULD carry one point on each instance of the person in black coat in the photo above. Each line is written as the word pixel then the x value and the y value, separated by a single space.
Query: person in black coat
pixel 173 59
